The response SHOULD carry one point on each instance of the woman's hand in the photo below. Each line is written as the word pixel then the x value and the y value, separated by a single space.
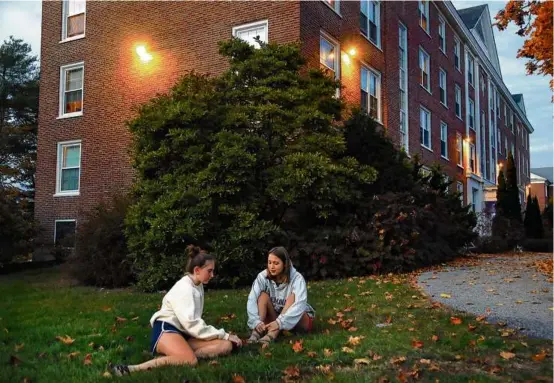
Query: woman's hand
pixel 260 328
pixel 235 340
pixel 273 326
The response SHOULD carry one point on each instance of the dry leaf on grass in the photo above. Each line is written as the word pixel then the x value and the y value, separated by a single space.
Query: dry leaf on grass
pixel 417 344
pixel 19 347
pixel 507 355
pixel 539 357
pixel 238 379
pixel 297 346
pixel 107 374
pixel 291 373
pixel 327 352
pixel 213 363
pixel 65 339
pixel 88 360
pixel 348 350
pixel 455 321
pixel 312 354
pixel 398 360
pixel 120 319
pixel 15 361
pixel 443 295
pixel 362 362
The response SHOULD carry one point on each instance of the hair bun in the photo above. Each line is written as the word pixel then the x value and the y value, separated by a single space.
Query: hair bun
pixel 193 251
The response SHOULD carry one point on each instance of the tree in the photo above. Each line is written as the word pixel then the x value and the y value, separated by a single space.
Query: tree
pixel 500 193
pixel 512 204
pixel 534 21
pixel 238 163
pixel 18 140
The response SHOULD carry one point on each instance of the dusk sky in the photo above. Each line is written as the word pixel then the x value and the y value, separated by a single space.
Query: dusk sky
pixel 22 20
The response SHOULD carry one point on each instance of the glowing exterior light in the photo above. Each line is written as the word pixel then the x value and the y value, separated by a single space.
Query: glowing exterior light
pixel 143 54
pixel 352 52
pixel 346 58
pixel 500 164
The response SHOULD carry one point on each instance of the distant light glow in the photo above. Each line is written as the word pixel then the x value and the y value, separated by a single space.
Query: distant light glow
pixel 143 54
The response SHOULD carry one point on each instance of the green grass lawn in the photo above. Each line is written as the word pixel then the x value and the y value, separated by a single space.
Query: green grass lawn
pixel 421 343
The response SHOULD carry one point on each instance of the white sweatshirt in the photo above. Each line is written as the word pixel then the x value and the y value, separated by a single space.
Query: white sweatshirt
pixel 278 294
pixel 182 307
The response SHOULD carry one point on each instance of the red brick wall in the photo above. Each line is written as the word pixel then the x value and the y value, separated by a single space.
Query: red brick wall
pixel 540 191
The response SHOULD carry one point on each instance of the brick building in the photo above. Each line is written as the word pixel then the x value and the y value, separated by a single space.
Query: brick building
pixel 427 72
pixel 542 185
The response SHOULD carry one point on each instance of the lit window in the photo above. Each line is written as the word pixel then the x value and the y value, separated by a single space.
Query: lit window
pixel 249 33
pixel 458 91
pixel 71 90
pixel 371 93
pixel 425 128
pixel 64 232
pixel 335 4
pixel 370 20
pixel 69 167
pixel 459 150
pixel 73 24
pixel 457 53
pixel 471 114
pixel 444 140
pixel 472 158
pixel 424 68
pixel 403 67
pixel 329 56
pixel 423 10
pixel 442 87
pixel 442 35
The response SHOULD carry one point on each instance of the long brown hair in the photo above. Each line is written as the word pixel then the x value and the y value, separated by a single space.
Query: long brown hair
pixel 281 253
pixel 197 257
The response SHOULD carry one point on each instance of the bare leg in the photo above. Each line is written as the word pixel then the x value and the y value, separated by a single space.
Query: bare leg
pixel 210 348
pixel 267 314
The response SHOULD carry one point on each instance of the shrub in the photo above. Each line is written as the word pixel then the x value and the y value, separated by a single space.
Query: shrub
pixel 542 245
pixel 16 227
pixel 101 255
pixel 491 245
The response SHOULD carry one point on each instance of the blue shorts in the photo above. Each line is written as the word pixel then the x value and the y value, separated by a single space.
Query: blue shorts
pixel 158 329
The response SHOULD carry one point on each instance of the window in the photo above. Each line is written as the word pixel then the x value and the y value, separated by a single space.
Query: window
pixel 513 150
pixel 249 32
pixel 71 90
pixel 370 20
pixel 474 196
pixel 457 53
pixel 499 146
pixel 425 127
pixel 470 68
pixel 472 158
pixel 460 189
pixel 442 35
pixel 444 140
pixel 442 86
pixel 459 150
pixel 73 23
pixel 505 114
pixel 471 114
pixel 506 145
pixel 424 69
pixel 371 93
pixel 424 14
pixel 64 232
pixel 497 103
pixel 334 4
pixel 403 68
pixel 512 121
pixel 458 92
pixel 329 56
pixel 482 144
pixel 69 168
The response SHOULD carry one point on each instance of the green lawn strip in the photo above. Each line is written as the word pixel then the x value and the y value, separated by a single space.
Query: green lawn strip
pixel 36 308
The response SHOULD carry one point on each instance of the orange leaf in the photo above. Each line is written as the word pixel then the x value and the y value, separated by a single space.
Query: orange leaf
pixel 455 321
pixel 327 352
pixel 297 346
pixel 120 319
pixel 331 321
pixel 65 339
pixel 435 338
pixel 507 355
pixel 238 379
pixel 312 354
pixel 352 329
pixel 73 354
pixel 292 372
pixel 481 318
pixel 471 327
pixel 88 360
pixel 539 357
pixel 417 344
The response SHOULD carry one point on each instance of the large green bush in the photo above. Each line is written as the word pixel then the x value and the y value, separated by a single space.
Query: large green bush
pixel 16 226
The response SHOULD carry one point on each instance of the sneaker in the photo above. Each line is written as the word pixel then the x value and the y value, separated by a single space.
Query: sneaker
pixel 119 369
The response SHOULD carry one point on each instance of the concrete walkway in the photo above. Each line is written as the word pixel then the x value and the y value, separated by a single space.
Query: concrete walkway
pixel 516 292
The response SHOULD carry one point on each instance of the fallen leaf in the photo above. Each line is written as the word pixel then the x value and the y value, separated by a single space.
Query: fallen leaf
pixel 348 350
pixel 19 347
pixel 331 321
pixel 15 361
pixel 238 379
pixel 446 295
pixel 327 352
pixel 417 344
pixel 471 327
pixel 91 344
pixel 435 338
pixel 455 321
pixel 297 346
pixel 352 329
pixel 324 369
pixel 539 357
pixel 507 355
pixel 73 354
pixel 120 319
pixel 425 361
pixel 481 318
pixel 107 374
pixel 213 363
pixel 362 362
pixel 135 318
pixel 65 339
pixel 129 339
pixel 88 360
pixel 267 355
pixel 355 340
pixel 292 373
pixel 106 308
pixel 312 354
pixel 398 360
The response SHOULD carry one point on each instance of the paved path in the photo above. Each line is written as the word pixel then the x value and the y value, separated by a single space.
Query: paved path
pixel 515 292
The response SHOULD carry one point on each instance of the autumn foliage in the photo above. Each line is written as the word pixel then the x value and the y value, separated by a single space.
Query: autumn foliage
pixel 534 22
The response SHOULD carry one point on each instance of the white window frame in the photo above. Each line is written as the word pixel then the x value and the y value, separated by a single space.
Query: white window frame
pixel 63 72
pixel 458 101
pixel 457 54
pixel 506 145
pixel 444 139
pixel 252 26
pixel 377 21
pixel 460 150
pixel 472 158
pixel 427 128
pixel 471 70
pixel 65 16
pixel 377 75
pixel 62 220
pixel 325 36
pixel 333 4
pixel 403 85
pixel 442 33
pixel 59 168
pixel 471 114
pixel 427 69
pixel 443 86
pixel 423 10
pixel 460 189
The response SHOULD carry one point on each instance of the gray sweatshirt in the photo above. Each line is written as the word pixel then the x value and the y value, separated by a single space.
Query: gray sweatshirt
pixel 278 294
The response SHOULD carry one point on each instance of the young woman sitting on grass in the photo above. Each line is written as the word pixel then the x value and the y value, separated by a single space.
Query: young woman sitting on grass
pixel 178 330
pixel 278 300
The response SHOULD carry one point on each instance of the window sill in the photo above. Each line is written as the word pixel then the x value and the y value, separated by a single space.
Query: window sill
pixel 443 104
pixel 425 147
pixel 79 37
pixel 473 128
pixel 331 8
pixel 428 91
pixel 72 194
pixel 443 52
pixel 69 115
pixel 459 118
pixel 425 30
pixel 445 158
pixel 460 166
pixel 459 70
pixel 372 43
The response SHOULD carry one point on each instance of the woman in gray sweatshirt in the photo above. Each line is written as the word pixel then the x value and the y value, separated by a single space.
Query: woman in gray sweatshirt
pixel 278 299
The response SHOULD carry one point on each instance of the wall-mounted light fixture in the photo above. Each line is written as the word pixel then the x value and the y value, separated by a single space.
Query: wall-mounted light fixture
pixel 143 55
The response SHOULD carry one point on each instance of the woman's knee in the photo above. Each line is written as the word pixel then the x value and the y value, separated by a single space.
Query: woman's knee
pixel 264 297
pixel 226 347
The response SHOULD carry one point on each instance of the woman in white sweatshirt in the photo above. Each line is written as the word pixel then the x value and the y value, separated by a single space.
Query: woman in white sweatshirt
pixel 278 299
pixel 178 331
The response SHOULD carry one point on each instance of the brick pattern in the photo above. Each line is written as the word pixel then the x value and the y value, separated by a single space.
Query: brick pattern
pixel 183 36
